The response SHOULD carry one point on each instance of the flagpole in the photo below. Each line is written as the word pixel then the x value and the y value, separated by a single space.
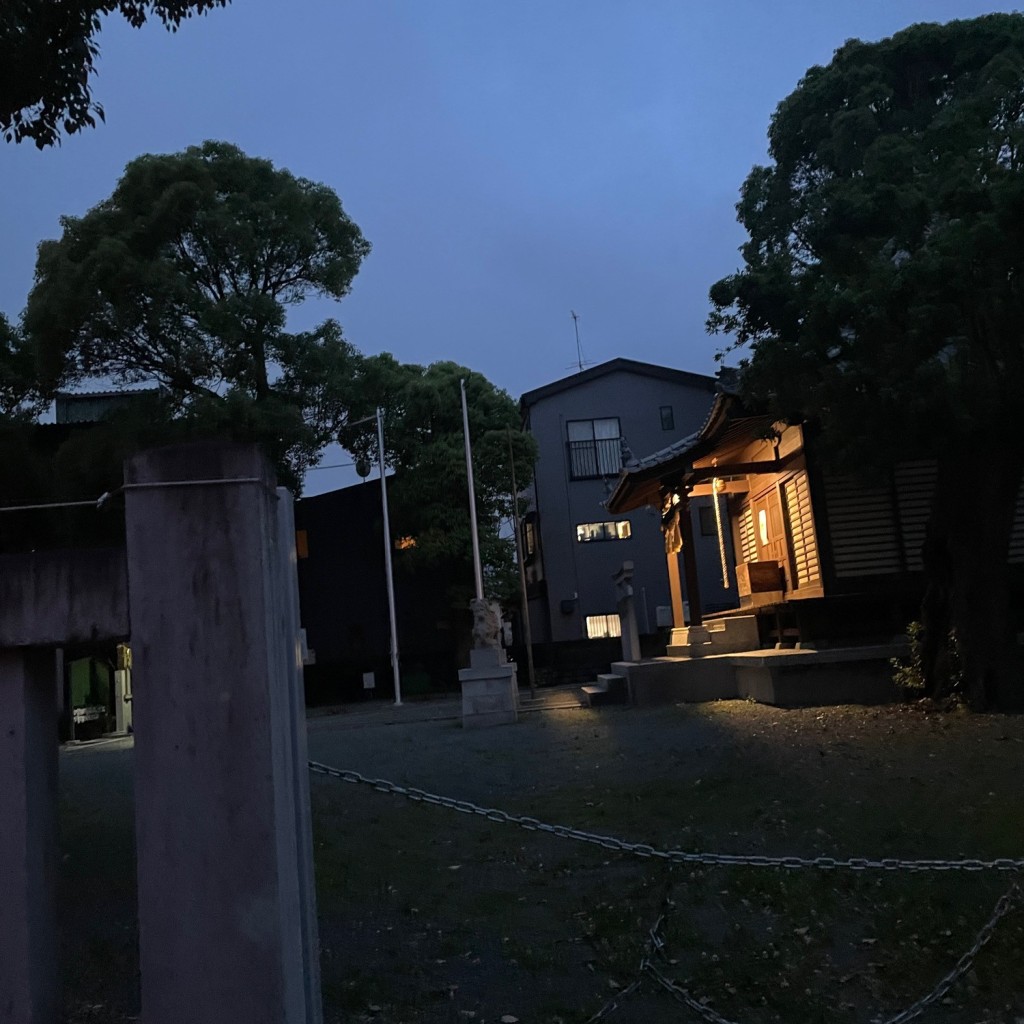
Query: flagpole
pixel 472 497
pixel 387 557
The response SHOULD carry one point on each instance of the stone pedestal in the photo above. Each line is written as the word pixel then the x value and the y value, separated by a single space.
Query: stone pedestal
pixel 28 837
pixel 490 695
pixel 690 636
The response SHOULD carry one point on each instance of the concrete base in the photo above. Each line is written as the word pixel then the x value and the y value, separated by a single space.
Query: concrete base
pixel 720 636
pixel 791 678
pixel 490 694
pixel 28 837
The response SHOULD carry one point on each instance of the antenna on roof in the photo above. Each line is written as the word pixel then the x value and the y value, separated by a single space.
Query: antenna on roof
pixel 580 361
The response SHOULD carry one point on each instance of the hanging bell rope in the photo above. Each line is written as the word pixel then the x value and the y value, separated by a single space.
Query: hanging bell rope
pixel 716 486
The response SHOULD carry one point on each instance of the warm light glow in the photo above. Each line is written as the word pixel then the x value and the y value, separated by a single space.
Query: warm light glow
pixel 403 543
pixel 619 530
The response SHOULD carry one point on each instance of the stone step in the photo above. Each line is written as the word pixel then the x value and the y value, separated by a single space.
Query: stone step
pixel 607 689
pixel 547 703
pixel 614 684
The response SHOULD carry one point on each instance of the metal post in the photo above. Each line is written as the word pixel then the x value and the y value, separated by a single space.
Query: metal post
pixel 472 497
pixel 527 631
pixel 387 556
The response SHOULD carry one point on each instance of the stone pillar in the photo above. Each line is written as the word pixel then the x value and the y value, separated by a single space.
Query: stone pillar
pixel 627 612
pixel 224 884
pixel 294 649
pixel 122 700
pixel 28 837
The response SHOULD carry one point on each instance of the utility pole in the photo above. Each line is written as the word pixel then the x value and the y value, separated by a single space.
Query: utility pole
pixel 527 631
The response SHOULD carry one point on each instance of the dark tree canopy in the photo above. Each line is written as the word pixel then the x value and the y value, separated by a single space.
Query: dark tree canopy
pixel 882 287
pixel 423 440
pixel 48 51
pixel 184 275
pixel 19 398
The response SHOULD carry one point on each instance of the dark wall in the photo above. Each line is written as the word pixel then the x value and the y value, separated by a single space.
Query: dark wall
pixel 344 605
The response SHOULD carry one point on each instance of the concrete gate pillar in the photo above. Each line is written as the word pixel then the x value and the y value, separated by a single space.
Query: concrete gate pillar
pixel 226 905
pixel 28 836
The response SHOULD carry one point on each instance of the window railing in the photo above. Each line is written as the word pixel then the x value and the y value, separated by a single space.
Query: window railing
pixel 590 460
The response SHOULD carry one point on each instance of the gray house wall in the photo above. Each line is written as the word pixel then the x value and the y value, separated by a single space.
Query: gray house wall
pixel 577 575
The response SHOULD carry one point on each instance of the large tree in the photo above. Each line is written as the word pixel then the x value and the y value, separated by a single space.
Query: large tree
pixel 882 294
pixel 184 277
pixel 48 52
pixel 423 440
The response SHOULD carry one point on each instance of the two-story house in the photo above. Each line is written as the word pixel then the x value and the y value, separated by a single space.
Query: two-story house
pixel 587 427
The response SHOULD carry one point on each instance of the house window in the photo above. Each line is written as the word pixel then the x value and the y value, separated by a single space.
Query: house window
pixel 595 448
pixel 601 626
pixel 603 531
pixel 668 419
pixel 529 538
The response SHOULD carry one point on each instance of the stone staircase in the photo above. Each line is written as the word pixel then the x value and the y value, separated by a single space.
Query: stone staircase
pixel 609 688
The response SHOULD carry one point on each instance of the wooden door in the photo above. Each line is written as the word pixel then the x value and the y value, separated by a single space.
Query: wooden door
pixel 770 529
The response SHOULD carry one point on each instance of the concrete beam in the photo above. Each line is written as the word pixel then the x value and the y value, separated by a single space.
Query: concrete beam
pixel 51 598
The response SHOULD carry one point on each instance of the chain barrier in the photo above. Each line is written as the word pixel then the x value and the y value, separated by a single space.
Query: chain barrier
pixel 1009 901
pixel 673 856
pixel 656 943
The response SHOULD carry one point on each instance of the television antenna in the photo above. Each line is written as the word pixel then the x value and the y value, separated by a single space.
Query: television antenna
pixel 581 363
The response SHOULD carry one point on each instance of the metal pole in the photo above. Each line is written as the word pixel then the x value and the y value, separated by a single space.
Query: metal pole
pixel 527 631
pixel 387 557
pixel 472 498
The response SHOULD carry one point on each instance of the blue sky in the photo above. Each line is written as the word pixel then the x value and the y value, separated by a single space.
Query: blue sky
pixel 508 161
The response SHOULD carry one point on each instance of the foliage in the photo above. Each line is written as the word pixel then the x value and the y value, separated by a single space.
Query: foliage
pixel 881 291
pixel 48 54
pixel 17 384
pixel 423 440
pixel 881 287
pixel 184 275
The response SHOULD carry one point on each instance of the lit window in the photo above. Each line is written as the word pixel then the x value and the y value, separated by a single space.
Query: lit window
pixel 603 531
pixel 668 418
pixel 601 626
pixel 530 538
pixel 404 543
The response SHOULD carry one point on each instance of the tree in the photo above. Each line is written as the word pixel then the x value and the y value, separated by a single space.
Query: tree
pixel 882 295
pixel 47 58
pixel 18 399
pixel 184 275
pixel 423 439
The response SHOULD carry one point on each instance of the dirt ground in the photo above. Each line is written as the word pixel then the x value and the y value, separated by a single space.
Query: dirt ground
pixel 429 915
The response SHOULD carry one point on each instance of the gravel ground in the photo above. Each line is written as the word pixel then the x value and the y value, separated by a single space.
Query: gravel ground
pixel 431 916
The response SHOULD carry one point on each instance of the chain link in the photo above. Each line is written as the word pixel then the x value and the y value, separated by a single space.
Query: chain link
pixel 674 856
pixel 1007 902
